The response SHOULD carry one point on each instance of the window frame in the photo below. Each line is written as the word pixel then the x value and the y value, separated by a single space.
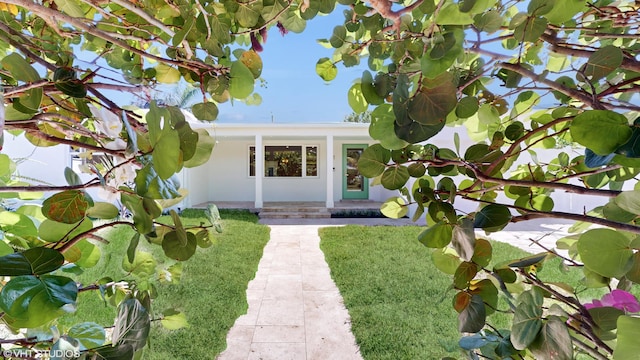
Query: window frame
pixel 303 173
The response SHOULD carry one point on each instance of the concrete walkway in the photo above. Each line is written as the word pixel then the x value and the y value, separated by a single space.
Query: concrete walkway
pixel 295 309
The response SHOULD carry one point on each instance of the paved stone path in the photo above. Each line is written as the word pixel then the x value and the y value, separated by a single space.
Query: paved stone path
pixel 295 309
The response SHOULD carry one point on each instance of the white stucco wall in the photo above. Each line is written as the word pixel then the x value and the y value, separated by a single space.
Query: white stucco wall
pixel 45 164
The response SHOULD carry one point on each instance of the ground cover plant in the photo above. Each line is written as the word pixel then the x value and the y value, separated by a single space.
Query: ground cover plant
pixel 397 298
pixel 209 290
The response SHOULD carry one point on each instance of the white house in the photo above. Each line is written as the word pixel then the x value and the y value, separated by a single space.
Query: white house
pixel 260 163
pixel 254 164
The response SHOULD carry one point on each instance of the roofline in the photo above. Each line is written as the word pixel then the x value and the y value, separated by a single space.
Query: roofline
pixel 356 130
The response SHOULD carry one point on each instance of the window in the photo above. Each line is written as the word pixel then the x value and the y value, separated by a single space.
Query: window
pixel 286 161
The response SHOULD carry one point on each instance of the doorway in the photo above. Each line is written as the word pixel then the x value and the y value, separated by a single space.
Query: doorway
pixel 354 185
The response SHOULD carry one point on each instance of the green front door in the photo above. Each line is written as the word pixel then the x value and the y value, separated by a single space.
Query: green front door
pixel 354 185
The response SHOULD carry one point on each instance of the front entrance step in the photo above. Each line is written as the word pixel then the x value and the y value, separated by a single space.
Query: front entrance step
pixel 294 212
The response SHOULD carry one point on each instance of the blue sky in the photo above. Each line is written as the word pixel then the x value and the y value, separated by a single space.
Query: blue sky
pixel 294 92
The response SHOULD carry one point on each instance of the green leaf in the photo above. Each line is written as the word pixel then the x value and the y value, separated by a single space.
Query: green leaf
pixel 20 68
pixel 369 89
pixel 34 261
pixel 436 236
pixel 242 82
pixel 203 149
pixel 464 239
pixel 248 13
pixel 446 260
pixel 166 152
pixel 382 128
pixel 451 15
pixel 70 8
pixel 587 129
pixel 89 334
pixel 183 32
pixel 150 185
pixel 90 254
pixel 489 21
pixel 606 317
pixel 493 217
pixel 527 320
pixel 394 208
pixel 71 177
pixel 634 272
pixel 565 10
pixel 606 252
pixel 166 74
pixel 31 301
pixel 68 207
pixel 531 29
pixel 540 7
pixel 603 62
pixel 174 320
pixel 473 317
pixel 338 37
pixel 29 102
pixel 141 219
pixel 103 210
pixel 467 107
pixel 175 249
pixel 143 265
pixel 395 177
pixel 482 253
pixel 628 346
pixel 356 99
pixel 415 132
pixel 132 324
pixel 529 260
pixel 628 201
pixel 464 274
pixel 214 217
pixel 514 131
pixel 326 69
pixel 54 231
pixel 17 225
pixel 131 249
pixel 74 88
pixel 553 342
pixel 205 111
pixel 430 106
pixel 373 161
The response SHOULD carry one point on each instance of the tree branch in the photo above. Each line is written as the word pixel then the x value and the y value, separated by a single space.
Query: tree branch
pixel 534 214
pixel 573 93
pixel 628 63
pixel 47 13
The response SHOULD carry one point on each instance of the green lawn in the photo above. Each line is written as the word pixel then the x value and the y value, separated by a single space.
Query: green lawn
pixel 212 291
pixel 399 302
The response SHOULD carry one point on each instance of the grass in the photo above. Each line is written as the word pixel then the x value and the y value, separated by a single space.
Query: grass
pixel 212 291
pixel 399 303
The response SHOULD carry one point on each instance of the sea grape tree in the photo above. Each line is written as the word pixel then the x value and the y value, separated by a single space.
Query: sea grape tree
pixel 520 77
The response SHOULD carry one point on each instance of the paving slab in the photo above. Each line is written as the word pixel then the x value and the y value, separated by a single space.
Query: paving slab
pixel 295 309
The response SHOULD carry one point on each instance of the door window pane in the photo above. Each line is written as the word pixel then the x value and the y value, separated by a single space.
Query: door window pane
pixel 355 181
pixel 312 160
